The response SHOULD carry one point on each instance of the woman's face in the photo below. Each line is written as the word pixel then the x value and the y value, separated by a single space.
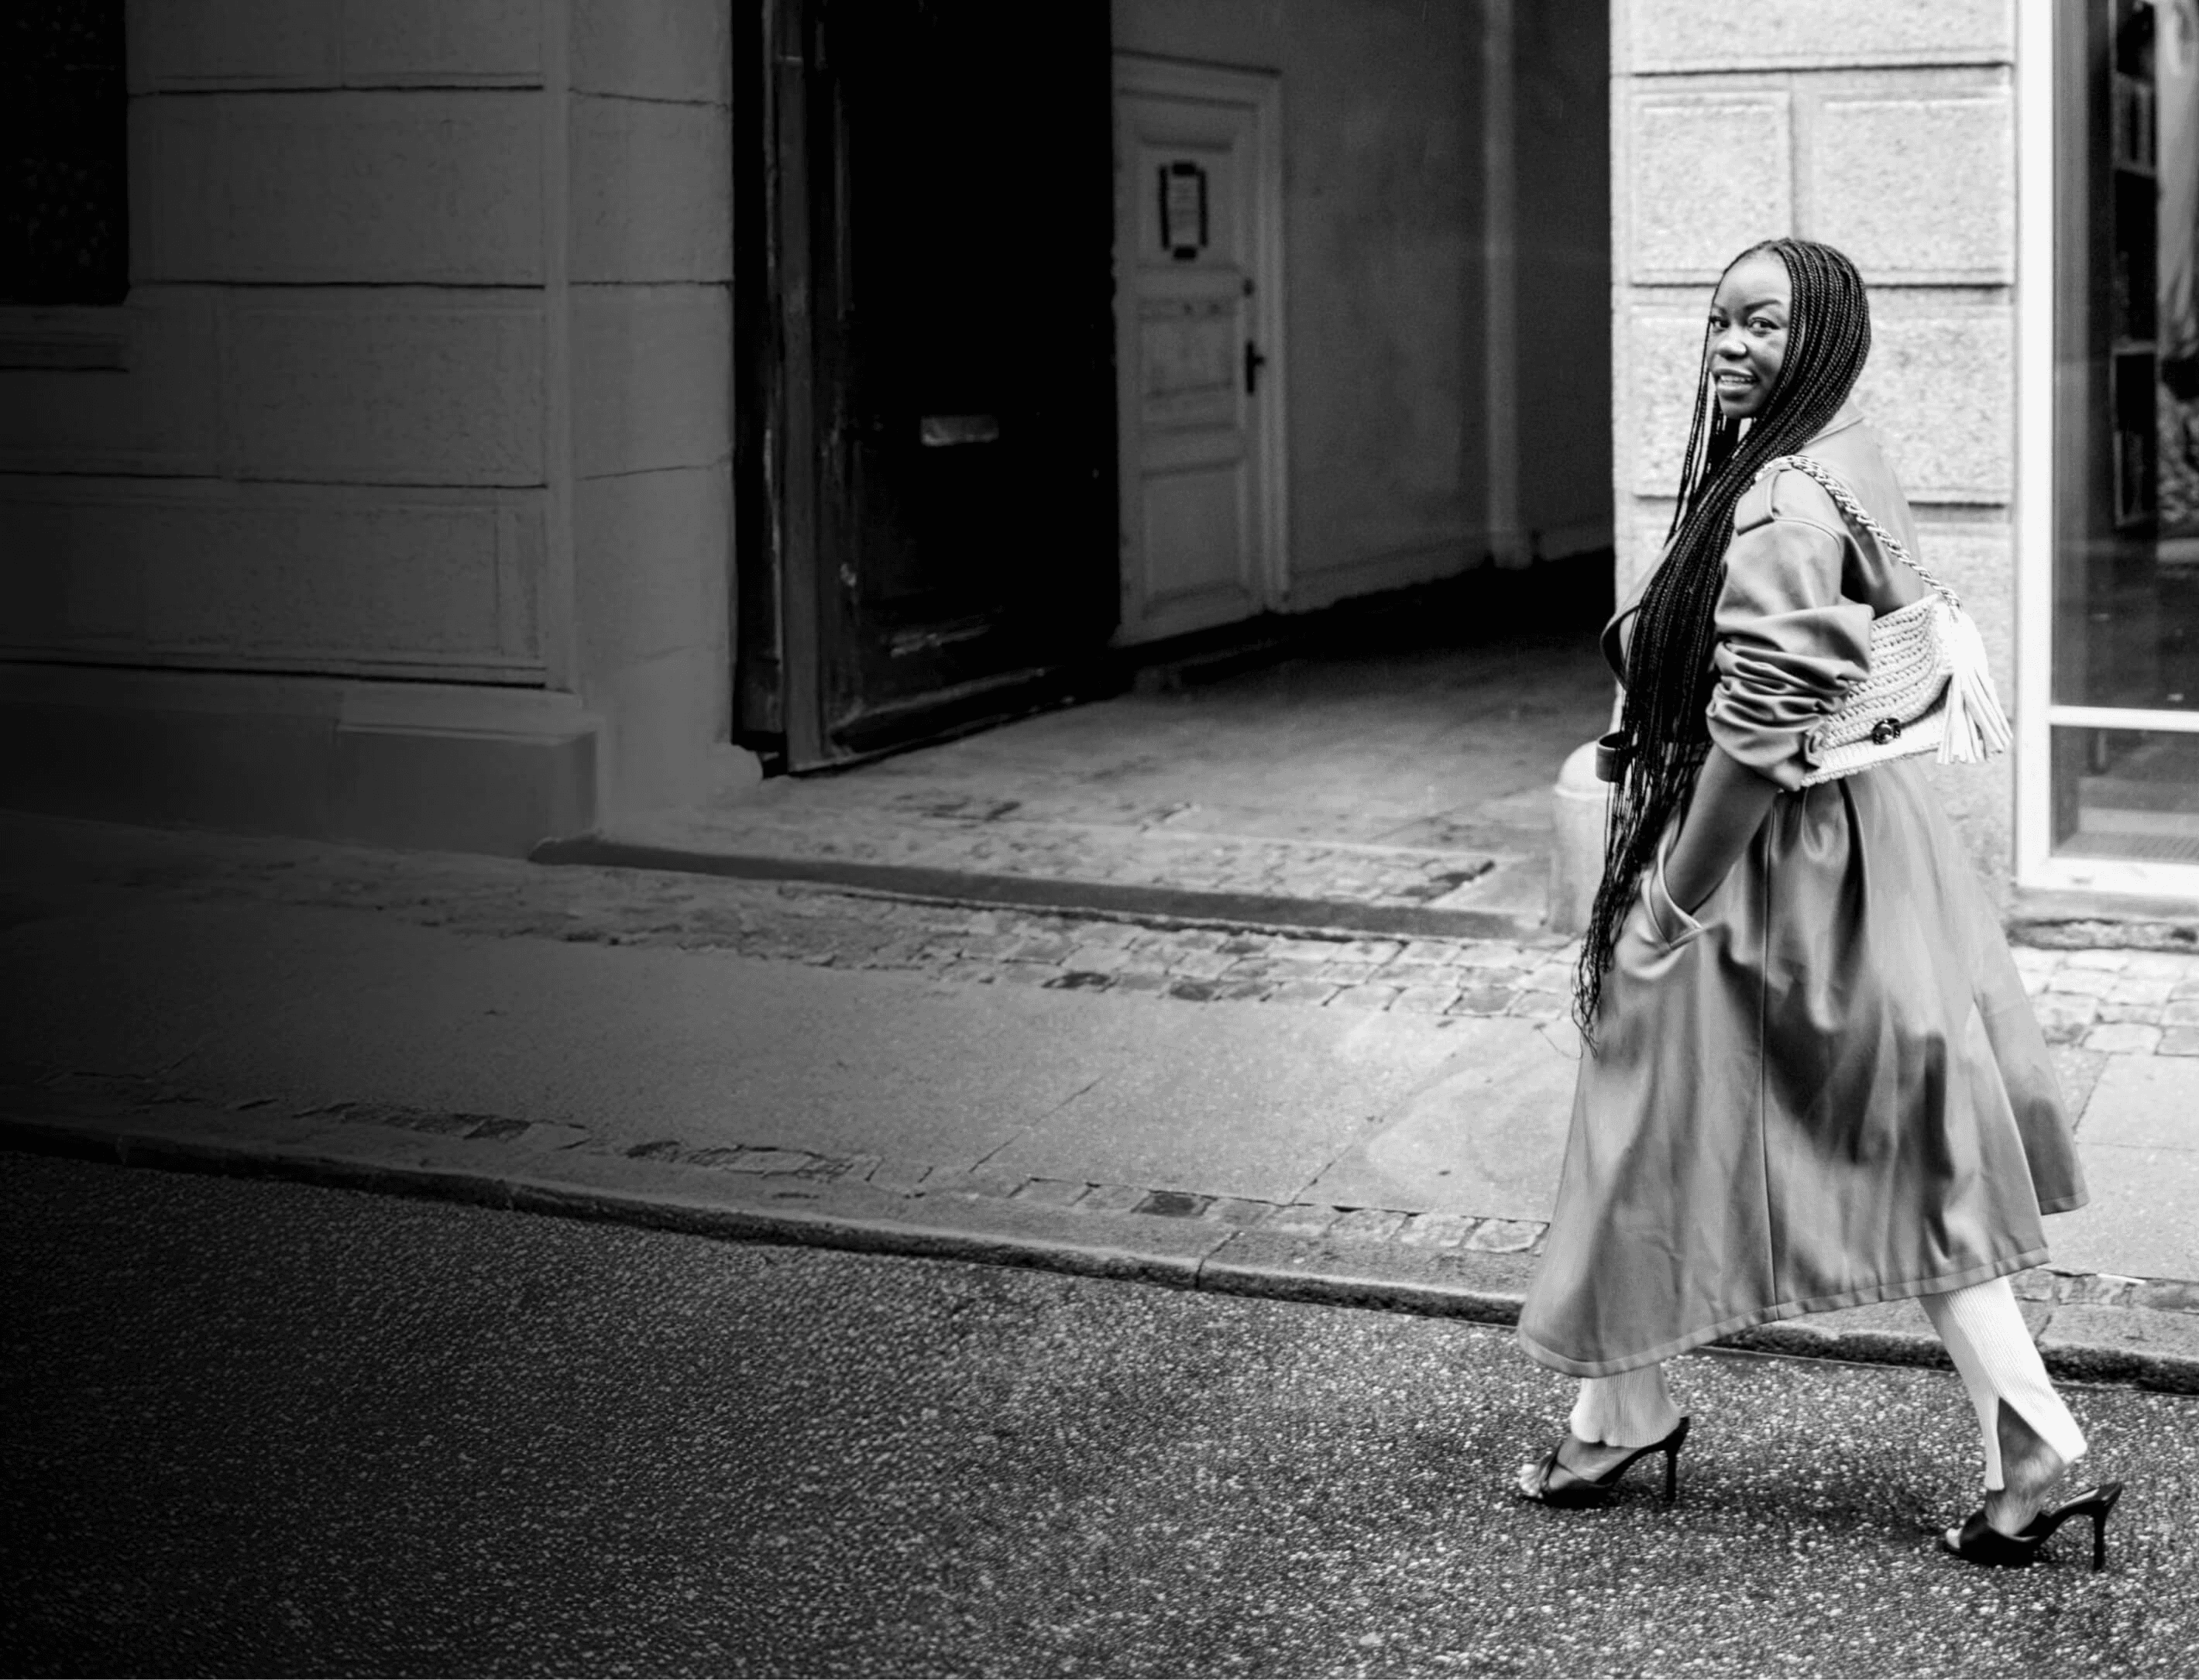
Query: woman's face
pixel 1748 334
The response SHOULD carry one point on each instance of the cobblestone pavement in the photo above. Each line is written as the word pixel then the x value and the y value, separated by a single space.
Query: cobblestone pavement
pixel 2141 1003
pixel 502 898
pixel 2090 1001
pixel 1155 847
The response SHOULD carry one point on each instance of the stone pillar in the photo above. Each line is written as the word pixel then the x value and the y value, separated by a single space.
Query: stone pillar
pixel 1888 131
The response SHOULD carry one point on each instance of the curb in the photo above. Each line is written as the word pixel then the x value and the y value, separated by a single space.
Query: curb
pixel 1112 900
pixel 2091 1329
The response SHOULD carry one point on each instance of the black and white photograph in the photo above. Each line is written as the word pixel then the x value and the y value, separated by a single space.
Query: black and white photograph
pixel 1099 837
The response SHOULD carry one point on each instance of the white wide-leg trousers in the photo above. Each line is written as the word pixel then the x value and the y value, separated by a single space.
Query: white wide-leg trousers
pixel 1985 1335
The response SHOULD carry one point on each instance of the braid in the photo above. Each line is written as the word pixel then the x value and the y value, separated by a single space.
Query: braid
pixel 1669 674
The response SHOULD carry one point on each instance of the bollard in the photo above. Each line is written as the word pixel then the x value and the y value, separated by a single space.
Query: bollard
pixel 1577 805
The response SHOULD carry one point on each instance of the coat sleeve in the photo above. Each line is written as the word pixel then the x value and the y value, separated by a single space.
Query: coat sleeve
pixel 1789 645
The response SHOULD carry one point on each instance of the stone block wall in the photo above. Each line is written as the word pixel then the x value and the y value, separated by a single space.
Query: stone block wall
pixel 1889 131
pixel 422 378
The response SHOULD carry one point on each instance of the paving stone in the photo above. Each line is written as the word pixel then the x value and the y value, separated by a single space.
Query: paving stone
pixel 2171 965
pixel 2124 1038
pixel 1485 1000
pixel 1425 999
pixel 1240 1212
pixel 2102 961
pixel 2030 959
pixel 1201 964
pixel 1550 977
pixel 1081 980
pixel 991 1185
pixel 1109 1199
pixel 2184 988
pixel 2184 1012
pixel 1133 981
pixel 1365 1225
pixel 1409 973
pixel 2139 988
pixel 1375 951
pixel 1095 958
pixel 2064 1019
pixel 2149 1014
pixel 2082 981
pixel 1299 1219
pixel 1173 1203
pixel 1234 990
pixel 1371 998
pixel 899 1177
pixel 2179 1042
pixel 1540 1006
pixel 1504 1236
pixel 1438 1230
pixel 1052 1192
pixel 1303 992
pixel 966 970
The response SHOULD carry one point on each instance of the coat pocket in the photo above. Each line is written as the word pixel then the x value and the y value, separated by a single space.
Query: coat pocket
pixel 1670 926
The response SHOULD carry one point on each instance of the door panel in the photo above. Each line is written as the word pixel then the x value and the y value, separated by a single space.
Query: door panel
pixel 959 222
pixel 1194 248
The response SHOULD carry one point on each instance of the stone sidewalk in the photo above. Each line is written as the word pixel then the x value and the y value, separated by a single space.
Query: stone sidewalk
pixel 1330 1117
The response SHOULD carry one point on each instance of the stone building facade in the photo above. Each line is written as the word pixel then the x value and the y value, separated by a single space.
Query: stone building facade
pixel 392 503
pixel 430 484
pixel 1890 132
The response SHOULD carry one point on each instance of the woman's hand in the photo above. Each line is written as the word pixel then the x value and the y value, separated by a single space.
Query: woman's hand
pixel 1730 805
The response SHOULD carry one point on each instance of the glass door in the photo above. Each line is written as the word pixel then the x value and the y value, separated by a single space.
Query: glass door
pixel 2123 717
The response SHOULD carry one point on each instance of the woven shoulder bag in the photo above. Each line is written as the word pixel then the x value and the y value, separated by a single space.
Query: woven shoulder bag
pixel 1927 688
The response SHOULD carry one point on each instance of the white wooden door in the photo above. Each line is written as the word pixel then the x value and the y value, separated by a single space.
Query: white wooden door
pixel 1198 350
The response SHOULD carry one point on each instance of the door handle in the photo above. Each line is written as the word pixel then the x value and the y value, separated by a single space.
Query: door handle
pixel 1254 361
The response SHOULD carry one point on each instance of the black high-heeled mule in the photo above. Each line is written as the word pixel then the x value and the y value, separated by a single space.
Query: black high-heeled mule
pixel 1980 1542
pixel 1579 1490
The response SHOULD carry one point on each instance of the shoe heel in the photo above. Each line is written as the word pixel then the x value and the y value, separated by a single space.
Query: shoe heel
pixel 1673 1442
pixel 2099 1542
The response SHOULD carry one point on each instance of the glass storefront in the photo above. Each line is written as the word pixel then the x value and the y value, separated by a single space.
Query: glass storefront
pixel 2125 703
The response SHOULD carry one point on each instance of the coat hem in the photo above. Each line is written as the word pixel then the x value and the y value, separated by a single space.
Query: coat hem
pixel 1906 1290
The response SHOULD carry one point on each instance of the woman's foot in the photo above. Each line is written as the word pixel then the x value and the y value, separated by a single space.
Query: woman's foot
pixel 1587 1461
pixel 2029 1468
pixel 1585 1472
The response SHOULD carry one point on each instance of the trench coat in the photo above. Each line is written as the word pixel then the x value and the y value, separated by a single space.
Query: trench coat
pixel 1825 1086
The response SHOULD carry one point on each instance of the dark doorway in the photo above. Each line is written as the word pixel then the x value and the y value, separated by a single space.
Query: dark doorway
pixel 929 390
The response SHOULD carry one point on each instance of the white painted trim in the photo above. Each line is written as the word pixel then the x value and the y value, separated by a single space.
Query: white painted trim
pixel 2120 717
pixel 1501 268
pixel 2034 511
pixel 556 619
pixel 1181 79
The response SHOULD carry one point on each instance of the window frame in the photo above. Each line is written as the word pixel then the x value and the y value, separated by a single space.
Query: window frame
pixel 2043 57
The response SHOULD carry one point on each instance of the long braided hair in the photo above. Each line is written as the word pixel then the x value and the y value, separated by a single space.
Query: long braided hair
pixel 1669 676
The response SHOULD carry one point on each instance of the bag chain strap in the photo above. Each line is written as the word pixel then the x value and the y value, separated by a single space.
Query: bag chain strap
pixel 1830 483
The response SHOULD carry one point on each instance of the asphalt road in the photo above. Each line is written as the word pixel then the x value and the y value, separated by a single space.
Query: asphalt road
pixel 254 1427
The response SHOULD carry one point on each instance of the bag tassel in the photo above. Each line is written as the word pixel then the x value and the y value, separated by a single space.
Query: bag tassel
pixel 1976 725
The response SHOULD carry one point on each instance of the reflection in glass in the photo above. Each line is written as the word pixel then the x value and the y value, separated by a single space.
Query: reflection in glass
pixel 2127 793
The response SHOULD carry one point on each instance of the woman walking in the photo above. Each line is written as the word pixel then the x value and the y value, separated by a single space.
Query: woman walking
pixel 1811 1078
